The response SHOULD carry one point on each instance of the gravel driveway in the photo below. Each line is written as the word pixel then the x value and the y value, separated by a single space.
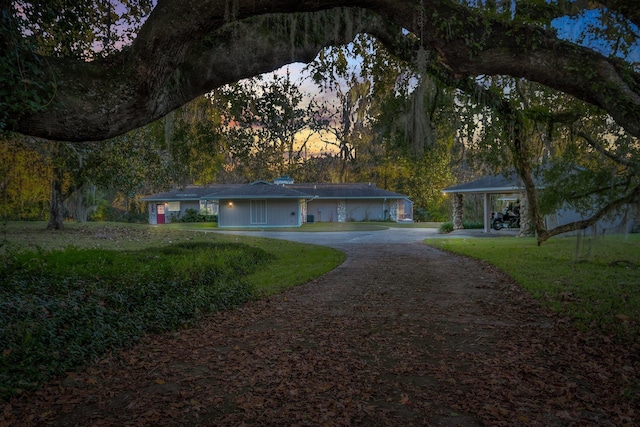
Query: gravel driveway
pixel 400 334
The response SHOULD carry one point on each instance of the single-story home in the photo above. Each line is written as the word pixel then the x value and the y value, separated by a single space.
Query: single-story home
pixel 281 203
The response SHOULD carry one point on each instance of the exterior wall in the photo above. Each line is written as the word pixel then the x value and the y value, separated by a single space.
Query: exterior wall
pixel 368 210
pixel 323 210
pixel 184 205
pixel 612 223
pixel 279 213
pixel 341 210
pixel 394 210
pixel 405 210
pixel 234 215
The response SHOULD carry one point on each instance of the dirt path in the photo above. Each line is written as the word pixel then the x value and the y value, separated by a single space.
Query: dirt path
pixel 399 335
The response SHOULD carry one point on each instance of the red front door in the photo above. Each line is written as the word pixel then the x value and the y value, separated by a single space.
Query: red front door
pixel 160 214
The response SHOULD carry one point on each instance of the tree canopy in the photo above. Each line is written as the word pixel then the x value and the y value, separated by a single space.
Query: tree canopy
pixel 187 48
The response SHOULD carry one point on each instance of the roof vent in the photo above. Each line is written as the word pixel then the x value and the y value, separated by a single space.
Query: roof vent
pixel 284 179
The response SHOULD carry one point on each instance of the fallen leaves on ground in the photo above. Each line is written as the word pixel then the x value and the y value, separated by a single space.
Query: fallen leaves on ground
pixel 398 335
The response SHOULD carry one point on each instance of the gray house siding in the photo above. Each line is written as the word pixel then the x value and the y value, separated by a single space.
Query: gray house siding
pixel 233 213
pixel 367 210
pixel 260 213
pixel 620 221
pixel 341 210
pixel 184 205
pixel 500 187
pixel 323 210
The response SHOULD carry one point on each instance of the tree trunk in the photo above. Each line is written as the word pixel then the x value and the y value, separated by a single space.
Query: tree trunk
pixel 56 208
pixel 525 222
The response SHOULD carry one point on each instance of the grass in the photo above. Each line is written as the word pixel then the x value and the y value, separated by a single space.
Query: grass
pixel 314 227
pixel 595 281
pixel 68 297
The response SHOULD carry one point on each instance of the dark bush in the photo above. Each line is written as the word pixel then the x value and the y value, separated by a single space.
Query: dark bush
pixel 192 215
pixel 446 227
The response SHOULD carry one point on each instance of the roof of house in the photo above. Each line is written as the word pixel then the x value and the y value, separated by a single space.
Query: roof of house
pixel 346 191
pixel 265 189
pixel 190 192
pixel 507 183
pixel 488 184
pixel 260 189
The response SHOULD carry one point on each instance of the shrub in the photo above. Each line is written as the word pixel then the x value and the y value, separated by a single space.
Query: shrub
pixel 446 227
pixel 469 225
pixel 421 215
pixel 192 215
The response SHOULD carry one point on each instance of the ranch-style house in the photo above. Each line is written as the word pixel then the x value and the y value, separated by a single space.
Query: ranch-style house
pixel 281 203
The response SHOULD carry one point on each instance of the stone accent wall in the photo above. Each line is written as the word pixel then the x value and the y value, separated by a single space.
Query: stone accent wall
pixel 342 211
pixel 458 204
pixel 153 218
pixel 393 211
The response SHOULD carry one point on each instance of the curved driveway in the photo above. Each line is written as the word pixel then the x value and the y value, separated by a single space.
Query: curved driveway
pixel 341 238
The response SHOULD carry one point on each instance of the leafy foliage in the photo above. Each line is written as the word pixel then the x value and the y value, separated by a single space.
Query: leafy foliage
pixel 192 215
pixel 268 123
pixel 390 121
pixel 25 181
pixel 61 309
pixel 84 29
pixel 81 29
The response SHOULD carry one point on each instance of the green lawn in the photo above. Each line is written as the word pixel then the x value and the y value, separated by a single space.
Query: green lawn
pixel 596 281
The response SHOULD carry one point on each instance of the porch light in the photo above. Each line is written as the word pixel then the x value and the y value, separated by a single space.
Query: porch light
pixel 230 204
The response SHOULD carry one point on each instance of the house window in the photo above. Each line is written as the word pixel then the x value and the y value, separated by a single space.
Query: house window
pixel 209 207
pixel 258 211
pixel 173 206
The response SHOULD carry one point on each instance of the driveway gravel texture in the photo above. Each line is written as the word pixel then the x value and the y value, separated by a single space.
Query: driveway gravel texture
pixel 400 334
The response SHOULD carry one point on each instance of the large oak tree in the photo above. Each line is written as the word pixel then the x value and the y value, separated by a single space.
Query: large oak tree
pixel 65 89
pixel 188 47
